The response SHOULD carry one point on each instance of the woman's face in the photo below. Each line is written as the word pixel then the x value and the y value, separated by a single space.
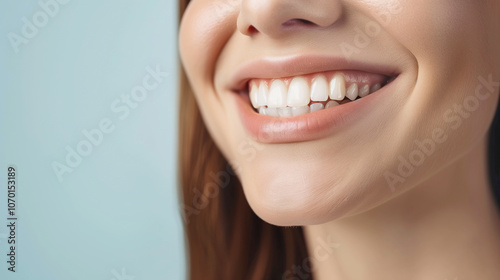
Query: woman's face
pixel 274 81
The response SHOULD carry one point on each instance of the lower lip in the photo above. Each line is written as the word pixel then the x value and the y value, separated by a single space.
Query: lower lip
pixel 307 127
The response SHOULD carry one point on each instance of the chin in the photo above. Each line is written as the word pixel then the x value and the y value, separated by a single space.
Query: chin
pixel 302 198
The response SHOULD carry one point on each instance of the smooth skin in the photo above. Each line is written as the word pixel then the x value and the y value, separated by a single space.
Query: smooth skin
pixel 437 221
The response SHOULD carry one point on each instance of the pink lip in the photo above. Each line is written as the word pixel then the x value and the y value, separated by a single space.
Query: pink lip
pixel 312 126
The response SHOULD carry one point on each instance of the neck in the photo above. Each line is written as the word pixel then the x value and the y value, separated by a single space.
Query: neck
pixel 445 228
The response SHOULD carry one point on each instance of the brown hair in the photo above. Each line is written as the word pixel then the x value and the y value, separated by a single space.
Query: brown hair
pixel 225 239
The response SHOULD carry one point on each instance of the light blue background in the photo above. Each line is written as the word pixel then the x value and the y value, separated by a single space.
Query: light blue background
pixel 117 212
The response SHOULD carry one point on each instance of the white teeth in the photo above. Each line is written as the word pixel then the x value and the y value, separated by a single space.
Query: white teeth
pixel 331 104
pixel 352 92
pixel 253 95
pixel 375 88
pixel 277 94
pixel 285 112
pixel 279 100
pixel 319 89
pixel 297 111
pixel 298 93
pixel 262 110
pixel 364 91
pixel 273 112
pixel 262 95
pixel 337 87
pixel 316 107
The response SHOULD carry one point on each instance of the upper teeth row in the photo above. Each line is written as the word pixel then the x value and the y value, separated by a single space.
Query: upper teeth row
pixel 300 94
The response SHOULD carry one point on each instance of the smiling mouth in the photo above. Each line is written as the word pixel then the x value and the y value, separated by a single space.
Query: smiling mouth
pixel 308 97
pixel 300 95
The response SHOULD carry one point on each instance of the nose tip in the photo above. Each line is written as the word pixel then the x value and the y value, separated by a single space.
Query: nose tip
pixel 275 17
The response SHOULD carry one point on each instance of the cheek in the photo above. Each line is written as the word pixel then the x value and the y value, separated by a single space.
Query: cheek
pixel 456 86
pixel 435 31
pixel 205 28
pixel 449 40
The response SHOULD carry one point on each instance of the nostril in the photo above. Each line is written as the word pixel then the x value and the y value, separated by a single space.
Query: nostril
pixel 252 30
pixel 297 21
pixel 306 22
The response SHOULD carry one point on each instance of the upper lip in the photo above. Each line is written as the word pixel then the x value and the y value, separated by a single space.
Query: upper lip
pixel 296 65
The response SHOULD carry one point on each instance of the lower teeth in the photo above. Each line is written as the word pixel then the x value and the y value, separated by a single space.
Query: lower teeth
pixel 297 111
